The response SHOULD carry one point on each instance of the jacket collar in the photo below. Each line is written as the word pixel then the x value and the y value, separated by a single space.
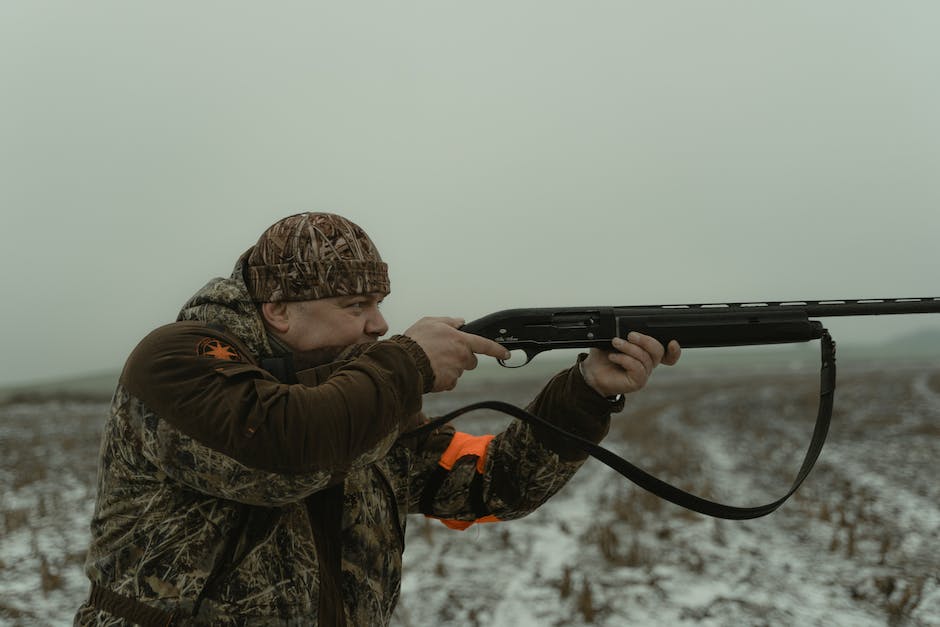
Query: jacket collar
pixel 226 303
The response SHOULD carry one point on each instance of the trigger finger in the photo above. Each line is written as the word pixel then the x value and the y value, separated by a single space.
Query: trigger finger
pixel 483 346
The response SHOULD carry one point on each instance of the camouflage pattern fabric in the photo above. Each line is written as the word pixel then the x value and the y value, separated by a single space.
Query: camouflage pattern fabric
pixel 225 302
pixel 170 510
pixel 314 255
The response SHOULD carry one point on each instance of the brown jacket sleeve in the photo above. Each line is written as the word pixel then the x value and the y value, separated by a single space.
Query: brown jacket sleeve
pixel 202 383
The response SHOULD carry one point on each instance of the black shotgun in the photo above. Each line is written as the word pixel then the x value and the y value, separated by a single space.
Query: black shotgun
pixel 699 325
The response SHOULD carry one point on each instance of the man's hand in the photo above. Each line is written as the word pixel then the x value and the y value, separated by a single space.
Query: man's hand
pixel 451 351
pixel 628 367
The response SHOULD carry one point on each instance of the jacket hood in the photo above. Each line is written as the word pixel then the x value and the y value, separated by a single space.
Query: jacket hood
pixel 226 303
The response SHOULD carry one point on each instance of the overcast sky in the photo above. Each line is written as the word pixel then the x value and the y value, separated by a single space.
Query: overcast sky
pixel 500 154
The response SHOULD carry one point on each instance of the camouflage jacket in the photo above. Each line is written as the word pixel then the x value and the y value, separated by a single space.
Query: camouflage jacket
pixel 227 496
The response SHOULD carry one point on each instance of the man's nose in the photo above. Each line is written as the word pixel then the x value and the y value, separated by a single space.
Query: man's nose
pixel 377 326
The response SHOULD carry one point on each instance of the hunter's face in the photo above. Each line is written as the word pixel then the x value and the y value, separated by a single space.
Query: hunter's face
pixel 335 322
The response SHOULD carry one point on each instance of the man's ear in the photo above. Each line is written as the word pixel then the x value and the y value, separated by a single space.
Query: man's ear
pixel 276 316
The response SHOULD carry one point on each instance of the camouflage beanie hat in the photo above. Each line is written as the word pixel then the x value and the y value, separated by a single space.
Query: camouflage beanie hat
pixel 314 255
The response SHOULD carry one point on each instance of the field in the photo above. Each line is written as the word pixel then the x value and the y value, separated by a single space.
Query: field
pixel 857 545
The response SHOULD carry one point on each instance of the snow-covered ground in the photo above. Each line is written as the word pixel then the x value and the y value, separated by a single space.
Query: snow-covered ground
pixel 48 458
pixel 858 545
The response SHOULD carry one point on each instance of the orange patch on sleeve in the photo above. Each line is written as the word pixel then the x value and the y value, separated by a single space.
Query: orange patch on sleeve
pixel 464 444
pixel 461 525
pixel 461 445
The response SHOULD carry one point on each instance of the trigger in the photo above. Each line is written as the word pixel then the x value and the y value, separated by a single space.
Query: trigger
pixel 505 363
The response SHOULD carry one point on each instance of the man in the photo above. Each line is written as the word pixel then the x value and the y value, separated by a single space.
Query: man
pixel 256 469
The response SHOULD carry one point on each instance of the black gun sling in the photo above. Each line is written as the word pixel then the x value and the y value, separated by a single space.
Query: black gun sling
pixel 665 490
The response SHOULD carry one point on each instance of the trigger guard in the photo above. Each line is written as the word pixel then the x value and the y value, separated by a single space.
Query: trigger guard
pixel 528 358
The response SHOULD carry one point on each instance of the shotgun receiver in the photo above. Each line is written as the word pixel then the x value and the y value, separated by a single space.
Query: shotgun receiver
pixel 700 325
